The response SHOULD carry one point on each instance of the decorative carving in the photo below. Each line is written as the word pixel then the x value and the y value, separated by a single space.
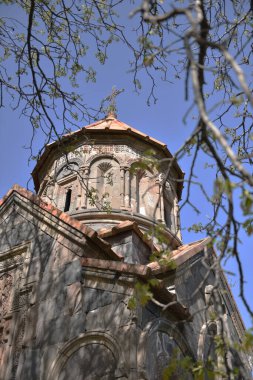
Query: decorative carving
pixel 6 282
pixel 70 168
pixel 13 268
pixel 158 340
pixel 21 298
pixel 17 347
pixel 14 258
pixel 110 149
pixel 10 263
pixel 75 155
pixel 103 156
pixel 105 166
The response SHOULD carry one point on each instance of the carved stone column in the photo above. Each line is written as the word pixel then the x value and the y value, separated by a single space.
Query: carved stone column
pixel 55 194
pixel 158 213
pixel 177 218
pixel 127 188
pixel 161 195
pixel 78 193
pixel 84 187
pixel 137 177
pixel 122 187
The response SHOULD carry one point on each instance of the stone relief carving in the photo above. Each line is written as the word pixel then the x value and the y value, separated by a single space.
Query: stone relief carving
pixel 17 347
pixel 77 153
pixel 161 349
pixel 68 169
pixel 98 149
pixel 159 341
pixel 6 283
pixel 105 180
pixel 105 166
pixel 14 296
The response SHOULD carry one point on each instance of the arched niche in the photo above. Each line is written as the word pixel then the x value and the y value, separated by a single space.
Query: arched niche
pixel 206 345
pixel 104 183
pixel 144 192
pixel 67 185
pixel 214 361
pixel 68 168
pixel 93 355
pixel 161 342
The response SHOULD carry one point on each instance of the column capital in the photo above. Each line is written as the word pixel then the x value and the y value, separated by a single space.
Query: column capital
pixel 124 167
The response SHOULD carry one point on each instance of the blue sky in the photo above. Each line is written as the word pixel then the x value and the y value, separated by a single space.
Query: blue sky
pixel 162 121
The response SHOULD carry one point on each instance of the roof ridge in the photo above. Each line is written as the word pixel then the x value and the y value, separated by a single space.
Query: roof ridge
pixel 125 226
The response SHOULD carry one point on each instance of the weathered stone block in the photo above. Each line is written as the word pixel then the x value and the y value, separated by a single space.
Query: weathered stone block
pixel 73 302
pixel 52 331
pixel 95 298
pixel 29 365
pixel 73 272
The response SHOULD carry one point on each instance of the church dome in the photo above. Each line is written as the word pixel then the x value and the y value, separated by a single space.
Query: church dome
pixel 108 172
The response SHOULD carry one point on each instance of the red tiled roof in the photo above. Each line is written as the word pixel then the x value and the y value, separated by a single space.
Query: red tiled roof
pixel 180 255
pixel 109 124
pixel 112 124
pixel 126 226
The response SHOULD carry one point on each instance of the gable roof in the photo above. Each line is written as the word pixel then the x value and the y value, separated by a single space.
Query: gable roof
pixel 127 226
pixel 113 261
pixel 108 125
pixel 185 253
pixel 61 217
pixel 180 255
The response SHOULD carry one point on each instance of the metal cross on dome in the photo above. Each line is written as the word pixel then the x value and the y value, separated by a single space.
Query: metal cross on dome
pixel 112 108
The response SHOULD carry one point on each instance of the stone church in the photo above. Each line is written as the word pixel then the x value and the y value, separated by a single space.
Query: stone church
pixel 76 256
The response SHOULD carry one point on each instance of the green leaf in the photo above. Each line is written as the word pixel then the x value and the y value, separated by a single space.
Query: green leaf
pixel 148 60
pixel 246 202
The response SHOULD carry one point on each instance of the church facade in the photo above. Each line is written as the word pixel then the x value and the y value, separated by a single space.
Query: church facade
pixel 76 256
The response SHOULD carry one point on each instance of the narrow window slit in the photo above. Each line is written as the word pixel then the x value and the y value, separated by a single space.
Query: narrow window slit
pixel 67 200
